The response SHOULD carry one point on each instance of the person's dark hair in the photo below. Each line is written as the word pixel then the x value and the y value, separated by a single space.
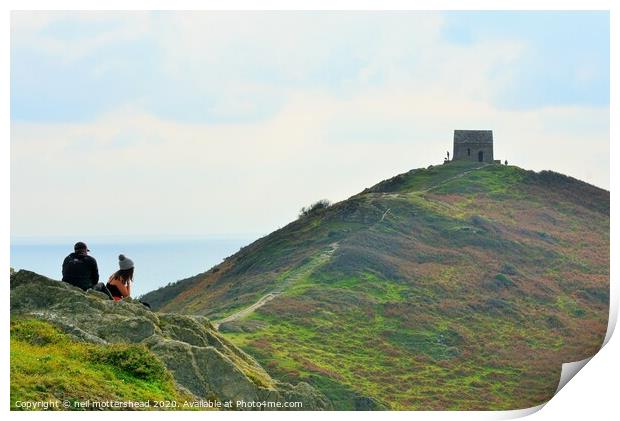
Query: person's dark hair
pixel 124 275
pixel 80 247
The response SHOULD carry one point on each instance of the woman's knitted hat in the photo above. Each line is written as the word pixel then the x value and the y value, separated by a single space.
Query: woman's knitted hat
pixel 124 263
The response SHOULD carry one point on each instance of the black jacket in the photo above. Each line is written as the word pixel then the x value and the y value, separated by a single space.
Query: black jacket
pixel 80 270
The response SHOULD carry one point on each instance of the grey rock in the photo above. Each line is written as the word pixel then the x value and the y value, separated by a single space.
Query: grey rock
pixel 199 358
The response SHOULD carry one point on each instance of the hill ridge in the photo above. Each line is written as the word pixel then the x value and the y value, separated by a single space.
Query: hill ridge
pixel 443 280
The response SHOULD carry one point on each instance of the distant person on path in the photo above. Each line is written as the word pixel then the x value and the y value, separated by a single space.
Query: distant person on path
pixel 120 281
pixel 79 269
pixel 506 162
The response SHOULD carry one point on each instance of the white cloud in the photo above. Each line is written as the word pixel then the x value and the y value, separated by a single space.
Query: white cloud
pixel 132 172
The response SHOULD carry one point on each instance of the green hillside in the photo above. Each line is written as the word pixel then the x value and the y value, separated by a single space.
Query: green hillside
pixel 50 367
pixel 461 286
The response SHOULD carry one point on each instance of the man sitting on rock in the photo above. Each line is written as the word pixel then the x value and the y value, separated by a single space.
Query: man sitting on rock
pixel 79 269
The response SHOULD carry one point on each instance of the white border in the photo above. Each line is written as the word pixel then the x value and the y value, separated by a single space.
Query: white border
pixel 591 395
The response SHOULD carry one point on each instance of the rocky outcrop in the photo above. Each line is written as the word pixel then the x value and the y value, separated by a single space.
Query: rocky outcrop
pixel 200 359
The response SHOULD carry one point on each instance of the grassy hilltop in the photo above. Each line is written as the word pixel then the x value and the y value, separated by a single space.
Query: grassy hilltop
pixel 461 286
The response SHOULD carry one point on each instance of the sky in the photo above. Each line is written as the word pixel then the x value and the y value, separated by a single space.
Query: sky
pixel 227 123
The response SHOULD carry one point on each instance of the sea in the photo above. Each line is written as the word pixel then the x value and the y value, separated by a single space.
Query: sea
pixel 158 261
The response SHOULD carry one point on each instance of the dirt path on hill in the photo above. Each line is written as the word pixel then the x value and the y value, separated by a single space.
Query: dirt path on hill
pixel 304 270
pixel 248 310
pixel 452 178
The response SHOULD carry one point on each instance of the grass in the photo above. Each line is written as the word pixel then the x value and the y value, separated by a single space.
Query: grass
pixel 48 366
pixel 423 178
pixel 361 349
pixel 368 284
pixel 375 355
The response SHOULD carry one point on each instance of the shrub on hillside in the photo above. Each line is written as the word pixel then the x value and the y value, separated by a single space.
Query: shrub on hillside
pixel 315 207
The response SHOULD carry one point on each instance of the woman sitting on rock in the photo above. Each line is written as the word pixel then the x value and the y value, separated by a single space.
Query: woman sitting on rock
pixel 119 283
